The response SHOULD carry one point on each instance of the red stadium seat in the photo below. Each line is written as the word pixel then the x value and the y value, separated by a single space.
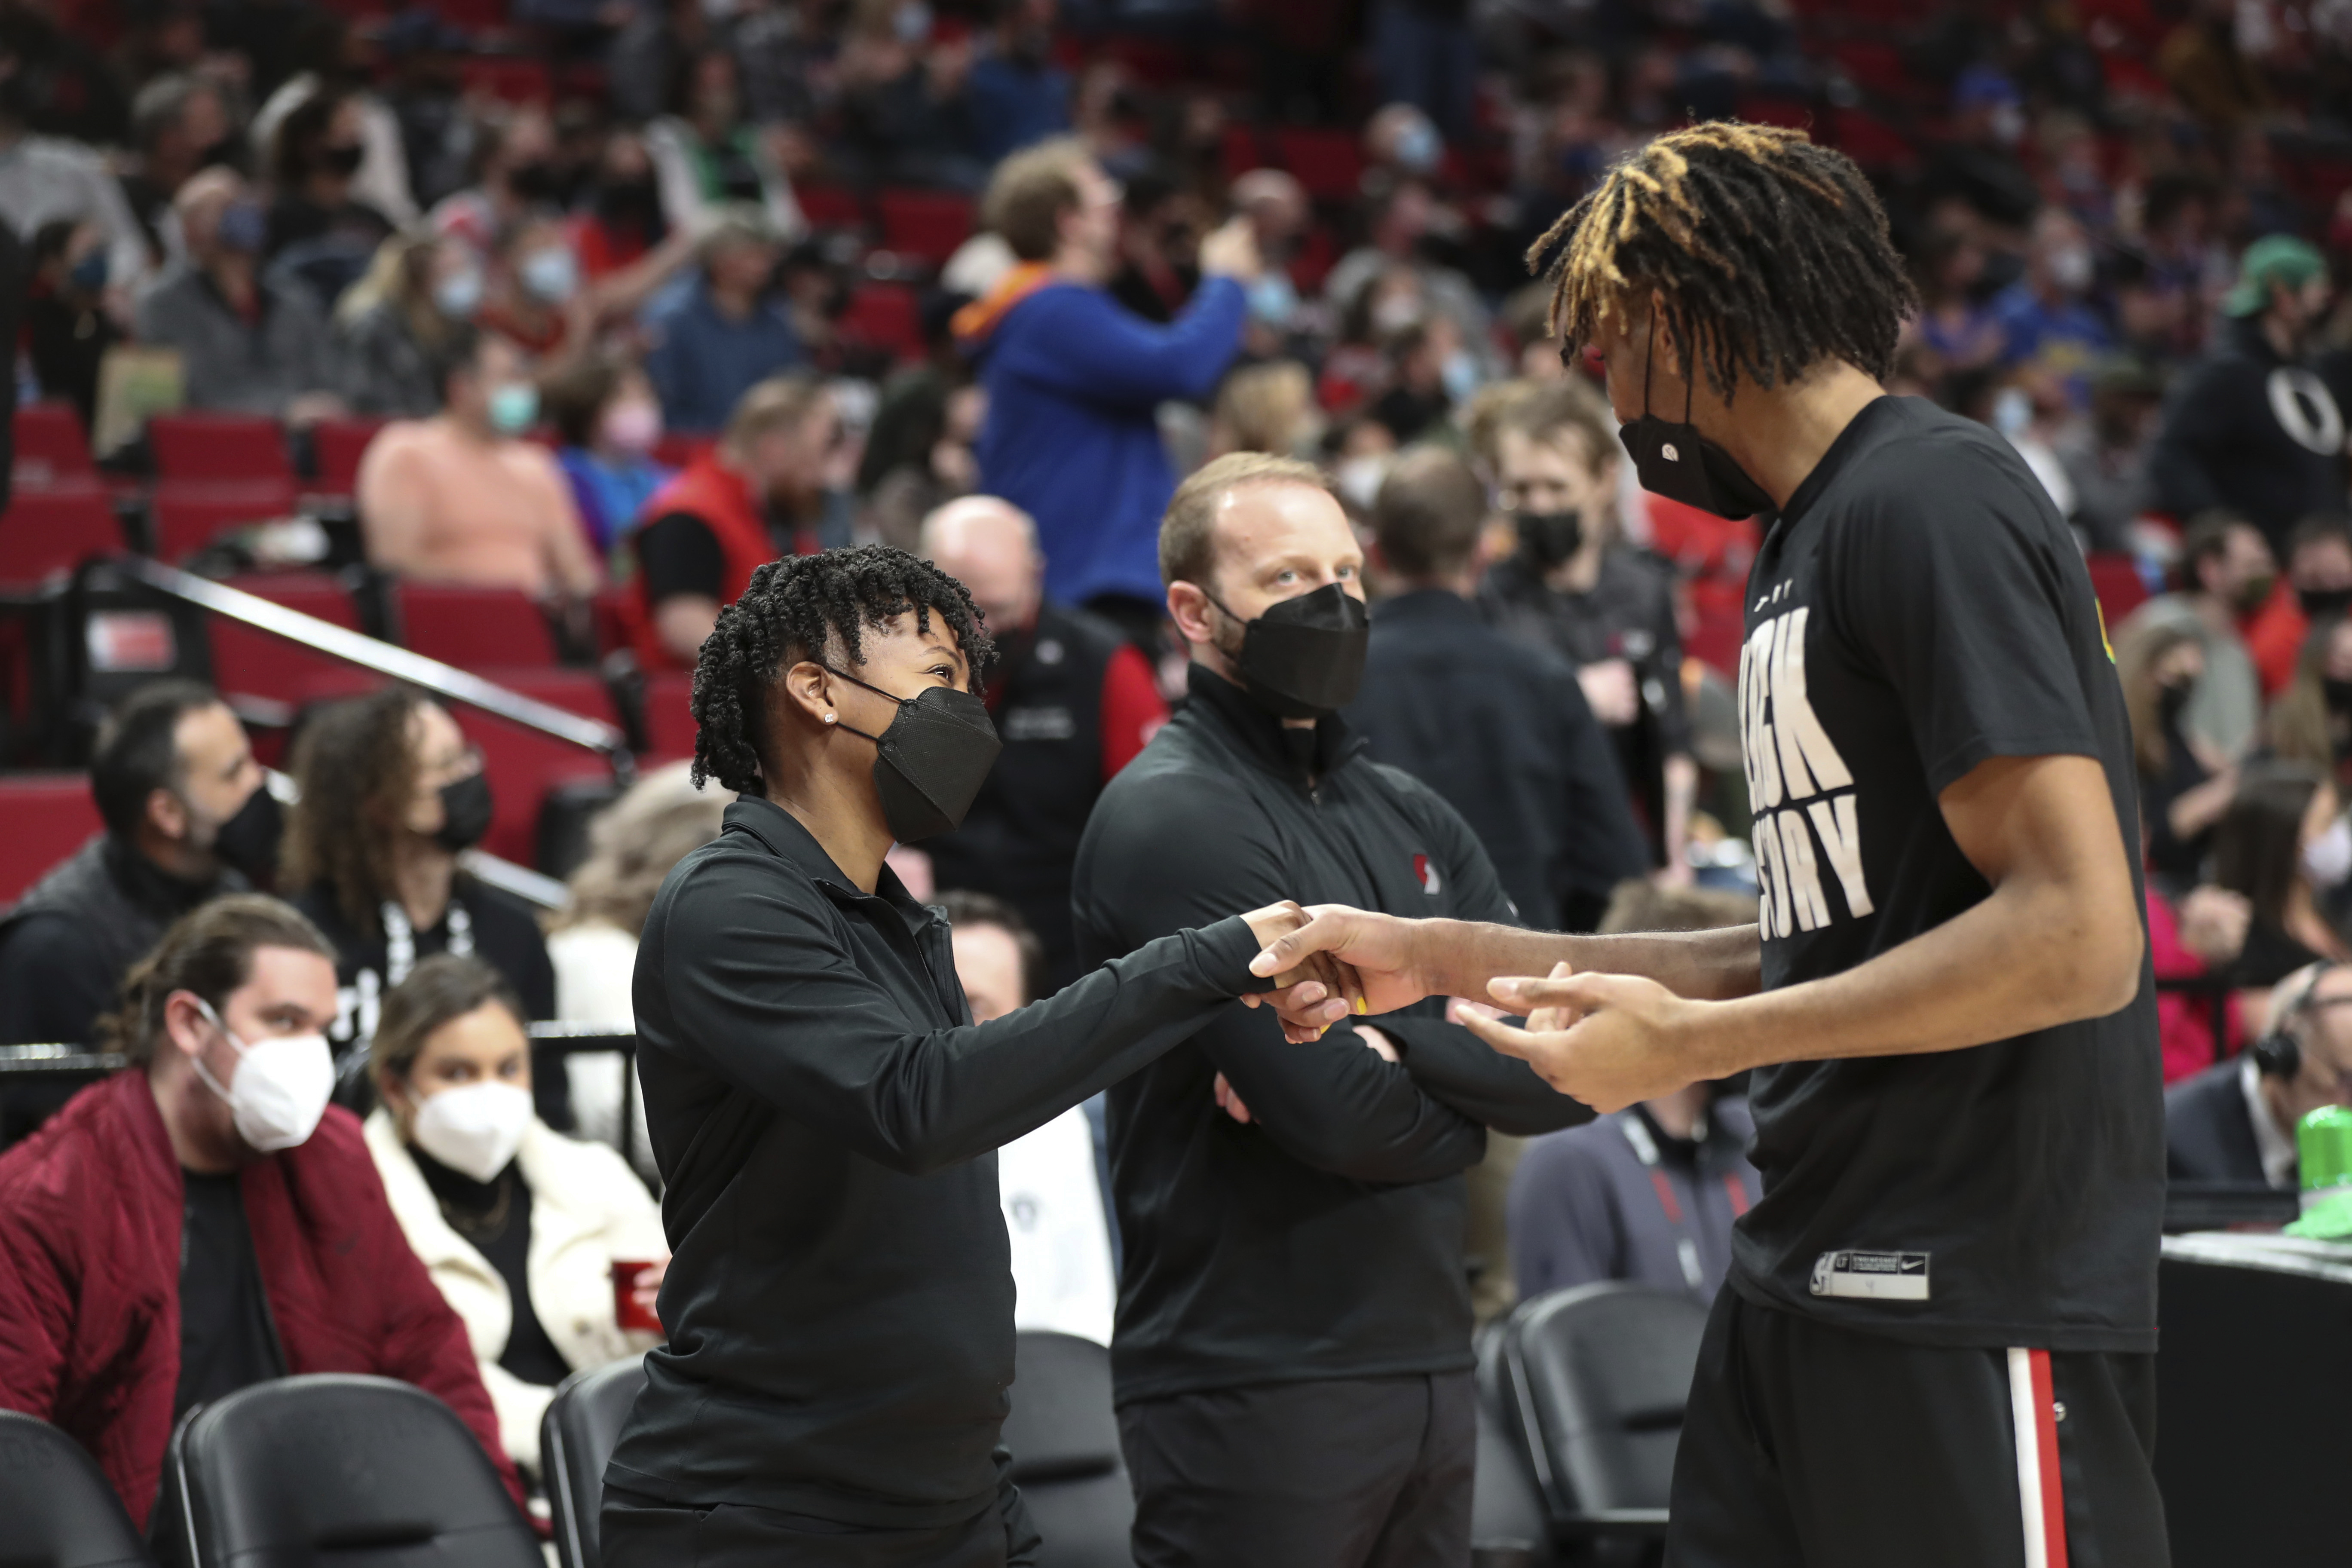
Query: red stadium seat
pixel 218 447
pixel 340 444
pixel 48 815
pixel 669 716
pixel 1329 164
pixel 474 627
pixel 190 512
pixel 929 224
pixel 48 533
pixel 249 662
pixel 523 765
pixel 509 79
pixel 2115 579
pixel 885 316
pixel 830 206
pixel 51 448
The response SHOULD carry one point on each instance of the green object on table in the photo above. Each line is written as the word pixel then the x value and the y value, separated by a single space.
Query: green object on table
pixel 2322 1149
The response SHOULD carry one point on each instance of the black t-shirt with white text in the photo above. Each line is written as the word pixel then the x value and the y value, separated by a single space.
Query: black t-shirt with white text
pixel 1917 609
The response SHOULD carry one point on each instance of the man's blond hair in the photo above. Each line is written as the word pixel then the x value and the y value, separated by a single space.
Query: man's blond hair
pixel 1187 539
pixel 779 400
pixel 1031 191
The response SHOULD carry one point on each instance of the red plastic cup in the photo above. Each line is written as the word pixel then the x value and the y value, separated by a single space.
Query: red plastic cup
pixel 625 1310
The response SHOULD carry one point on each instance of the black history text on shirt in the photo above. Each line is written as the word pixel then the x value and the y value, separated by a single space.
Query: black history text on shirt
pixel 1808 818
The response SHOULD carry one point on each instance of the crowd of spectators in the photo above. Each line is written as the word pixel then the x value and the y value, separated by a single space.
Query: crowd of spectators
pixel 610 277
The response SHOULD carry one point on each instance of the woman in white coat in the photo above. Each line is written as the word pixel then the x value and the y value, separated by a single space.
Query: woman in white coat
pixel 519 1225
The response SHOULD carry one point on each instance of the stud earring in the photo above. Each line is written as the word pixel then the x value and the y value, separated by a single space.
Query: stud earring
pixel 828 718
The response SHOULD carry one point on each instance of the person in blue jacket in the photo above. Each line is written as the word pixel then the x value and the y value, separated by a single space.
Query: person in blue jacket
pixel 1074 381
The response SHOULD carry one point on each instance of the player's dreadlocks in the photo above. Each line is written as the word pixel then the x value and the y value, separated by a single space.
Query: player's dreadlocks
pixel 1771 253
pixel 811 606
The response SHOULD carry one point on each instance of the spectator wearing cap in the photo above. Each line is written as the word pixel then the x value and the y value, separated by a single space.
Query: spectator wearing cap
pixel 247 344
pixel 728 332
pixel 1016 94
pixel 186 818
pixel 461 496
pixel 1074 700
pixel 1500 730
pixel 759 493
pixel 205 1220
pixel 2236 1120
pixel 1074 381
pixel 2252 427
pixel 46 177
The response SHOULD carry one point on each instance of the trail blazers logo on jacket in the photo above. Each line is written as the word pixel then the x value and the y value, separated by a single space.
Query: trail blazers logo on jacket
pixel 1424 871
pixel 1807 820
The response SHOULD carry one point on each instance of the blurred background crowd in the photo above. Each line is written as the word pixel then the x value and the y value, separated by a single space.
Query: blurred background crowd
pixel 550 318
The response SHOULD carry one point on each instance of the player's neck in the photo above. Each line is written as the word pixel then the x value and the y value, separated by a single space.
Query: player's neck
pixel 1780 435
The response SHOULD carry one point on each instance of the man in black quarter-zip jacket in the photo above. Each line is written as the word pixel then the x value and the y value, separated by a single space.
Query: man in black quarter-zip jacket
pixel 1293 1350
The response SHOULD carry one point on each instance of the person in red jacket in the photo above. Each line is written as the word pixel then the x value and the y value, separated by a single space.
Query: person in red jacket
pixel 704 532
pixel 203 1220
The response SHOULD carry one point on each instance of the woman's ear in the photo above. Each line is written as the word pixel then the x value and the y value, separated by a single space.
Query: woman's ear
pixel 808 689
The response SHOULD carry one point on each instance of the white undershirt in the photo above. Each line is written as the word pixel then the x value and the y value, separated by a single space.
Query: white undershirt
pixel 2273 1143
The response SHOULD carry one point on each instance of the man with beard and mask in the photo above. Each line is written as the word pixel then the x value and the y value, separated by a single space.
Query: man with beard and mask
pixel 205 1220
pixel 750 499
pixel 1292 1359
pixel 187 819
pixel 1575 589
pixel 1014 93
pixel 1938 1341
pixel 825 1110
pixel 1072 699
pixel 2225 576
pixel 392 794
pixel 2251 427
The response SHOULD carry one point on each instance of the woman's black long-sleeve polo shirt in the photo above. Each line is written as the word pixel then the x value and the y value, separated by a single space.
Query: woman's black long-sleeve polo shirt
pixel 826 1115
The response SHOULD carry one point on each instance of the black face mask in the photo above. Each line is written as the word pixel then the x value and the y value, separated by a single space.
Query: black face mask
pixel 464 813
pixel 225 154
pixel 534 182
pixel 628 201
pixel 2337 692
pixel 2171 698
pixel 248 841
pixel 1549 537
pixel 344 160
pixel 930 761
pixel 1673 459
pixel 2318 604
pixel 1305 656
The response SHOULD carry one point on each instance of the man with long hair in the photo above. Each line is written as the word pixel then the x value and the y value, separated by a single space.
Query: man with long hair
pixel 1938 1346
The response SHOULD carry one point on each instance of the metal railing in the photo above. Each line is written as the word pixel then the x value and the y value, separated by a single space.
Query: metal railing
pixel 443 680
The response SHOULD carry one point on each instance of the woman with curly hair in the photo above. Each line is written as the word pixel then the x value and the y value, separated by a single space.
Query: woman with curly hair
pixel 825 1112
pixel 393 793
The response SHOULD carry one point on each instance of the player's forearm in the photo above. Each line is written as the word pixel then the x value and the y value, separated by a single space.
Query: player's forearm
pixel 2032 956
pixel 1709 965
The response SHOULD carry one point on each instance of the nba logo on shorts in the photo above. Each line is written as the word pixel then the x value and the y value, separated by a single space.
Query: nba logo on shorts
pixel 1425 872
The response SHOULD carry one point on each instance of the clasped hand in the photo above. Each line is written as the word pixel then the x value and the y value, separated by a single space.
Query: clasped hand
pixel 1608 1040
